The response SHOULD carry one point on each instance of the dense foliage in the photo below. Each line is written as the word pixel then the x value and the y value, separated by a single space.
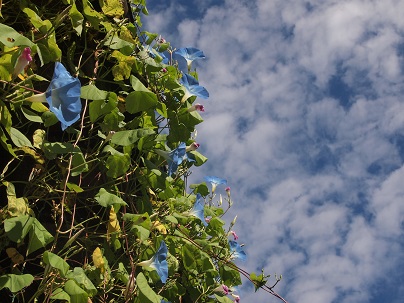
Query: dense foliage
pixel 98 139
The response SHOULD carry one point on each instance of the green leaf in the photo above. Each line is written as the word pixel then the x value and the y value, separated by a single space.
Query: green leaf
pixel 56 262
pixel 92 15
pixel 79 164
pixel 229 275
pixel 49 118
pixel 74 187
pixel 117 165
pixel 188 256
pixel 92 92
pixel 60 294
pixel 146 293
pixel 19 138
pixel 10 37
pixel 128 137
pixel 18 227
pixel 223 299
pixel 106 199
pixel 80 277
pixel 102 107
pixel 138 101
pixel 199 158
pixel 76 293
pixel 77 19
pixel 30 115
pixel 200 188
pixel 15 282
pixel 38 237
pixel 258 281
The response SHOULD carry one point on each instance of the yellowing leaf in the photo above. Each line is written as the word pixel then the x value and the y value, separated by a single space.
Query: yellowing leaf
pixel 113 8
pixel 160 227
pixel 98 259
pixel 123 69
pixel 14 255
pixel 113 223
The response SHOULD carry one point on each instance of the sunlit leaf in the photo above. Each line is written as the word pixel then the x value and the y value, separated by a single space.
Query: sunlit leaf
pixel 146 293
pixel 18 227
pixel 18 138
pixel 38 237
pixel 82 280
pixel 128 137
pixel 106 199
pixel 56 262
pixel 76 293
pixel 98 260
pixel 15 282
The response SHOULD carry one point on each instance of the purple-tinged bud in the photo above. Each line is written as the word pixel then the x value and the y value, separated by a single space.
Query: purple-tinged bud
pixel 198 107
pixel 23 60
pixel 193 146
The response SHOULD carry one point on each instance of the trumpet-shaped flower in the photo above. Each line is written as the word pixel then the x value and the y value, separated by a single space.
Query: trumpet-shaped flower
pixel 158 262
pixel 192 88
pixel 215 181
pixel 23 60
pixel 174 157
pixel 198 209
pixel 236 251
pixel 190 54
pixel 62 95
pixel 177 156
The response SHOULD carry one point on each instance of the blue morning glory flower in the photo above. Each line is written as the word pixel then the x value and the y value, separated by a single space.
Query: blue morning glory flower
pixel 198 209
pixel 159 262
pixel 175 158
pixel 190 54
pixel 237 251
pixel 215 181
pixel 63 96
pixel 192 88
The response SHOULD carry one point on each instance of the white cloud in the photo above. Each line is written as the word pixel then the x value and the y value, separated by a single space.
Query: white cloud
pixel 316 179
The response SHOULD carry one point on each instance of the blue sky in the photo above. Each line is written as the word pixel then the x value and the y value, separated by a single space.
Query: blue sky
pixel 306 122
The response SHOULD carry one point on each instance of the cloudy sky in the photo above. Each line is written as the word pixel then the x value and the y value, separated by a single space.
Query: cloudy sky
pixel 306 122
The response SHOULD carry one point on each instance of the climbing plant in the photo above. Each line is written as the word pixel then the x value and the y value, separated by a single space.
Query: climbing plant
pixel 97 130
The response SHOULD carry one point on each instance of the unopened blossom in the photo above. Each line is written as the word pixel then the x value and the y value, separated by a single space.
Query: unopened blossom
pixel 23 60
pixel 222 289
pixel 196 107
pixel 192 146
pixel 236 298
pixel 234 235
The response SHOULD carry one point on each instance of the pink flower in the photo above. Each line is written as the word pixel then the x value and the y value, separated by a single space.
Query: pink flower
pixel 193 146
pixel 222 289
pixel 23 60
pixel 234 235
pixel 236 298
pixel 197 106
